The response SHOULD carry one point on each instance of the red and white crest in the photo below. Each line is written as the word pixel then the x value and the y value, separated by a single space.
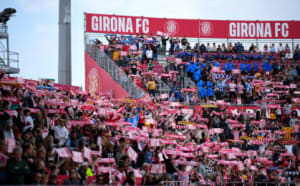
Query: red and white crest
pixel 93 81
pixel 206 28
pixel 171 27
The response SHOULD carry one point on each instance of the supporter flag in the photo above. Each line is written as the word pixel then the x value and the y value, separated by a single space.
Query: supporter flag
pixel 11 144
pixel 131 153
pixel 77 157
pixel 63 152
pixel 134 120
pixel 157 168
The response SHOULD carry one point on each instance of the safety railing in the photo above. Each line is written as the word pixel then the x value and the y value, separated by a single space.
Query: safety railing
pixel 115 71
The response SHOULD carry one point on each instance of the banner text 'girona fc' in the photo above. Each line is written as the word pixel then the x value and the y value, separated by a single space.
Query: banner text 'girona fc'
pixel 131 25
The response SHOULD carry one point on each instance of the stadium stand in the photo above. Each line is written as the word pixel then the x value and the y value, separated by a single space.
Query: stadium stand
pixel 225 116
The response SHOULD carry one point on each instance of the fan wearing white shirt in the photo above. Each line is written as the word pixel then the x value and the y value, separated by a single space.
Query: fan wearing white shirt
pixel 280 48
pixel 61 132
pixel 8 132
pixel 28 120
pixel 149 54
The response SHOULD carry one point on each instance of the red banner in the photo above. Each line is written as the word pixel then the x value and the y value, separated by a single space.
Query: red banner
pixel 131 25
pixel 98 80
pixel 66 87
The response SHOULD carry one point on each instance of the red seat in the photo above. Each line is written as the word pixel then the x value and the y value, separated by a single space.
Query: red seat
pixel 60 179
pixel 91 179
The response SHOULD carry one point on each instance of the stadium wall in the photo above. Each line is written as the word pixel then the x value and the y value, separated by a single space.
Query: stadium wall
pixel 98 80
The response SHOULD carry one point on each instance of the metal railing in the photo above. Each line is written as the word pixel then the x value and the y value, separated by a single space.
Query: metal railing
pixel 115 71
pixel 9 61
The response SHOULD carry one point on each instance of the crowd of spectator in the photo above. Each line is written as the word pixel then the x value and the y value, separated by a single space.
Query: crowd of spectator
pixel 201 135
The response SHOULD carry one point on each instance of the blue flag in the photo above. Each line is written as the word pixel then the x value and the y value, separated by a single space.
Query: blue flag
pixel 134 120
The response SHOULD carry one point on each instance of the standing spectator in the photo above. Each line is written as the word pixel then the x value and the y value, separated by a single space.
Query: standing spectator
pixel 208 48
pixel 280 50
pixel 16 168
pixel 214 48
pixel 163 45
pixel 224 48
pixel 265 49
pixel 149 54
pixel 8 132
pixel 28 120
pixel 188 46
pixel 287 112
pixel 272 48
pixel 229 48
pixel 20 119
pixel 61 132
pixel 172 45
pixel 152 86
pixel 134 67
pixel 45 122
pixel 181 76
pixel 202 48
pixel 184 42
pixel 150 66
pixel 251 48
pixel 239 48
pixel 287 51
pixel 297 52
pixel 154 48
pixel 111 39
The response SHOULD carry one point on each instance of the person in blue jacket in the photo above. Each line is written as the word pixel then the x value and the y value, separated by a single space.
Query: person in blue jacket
pixel 269 67
pixel 266 66
pixel 189 69
pixel 210 90
pixel 197 74
pixel 179 55
pixel 225 67
pixel 200 83
pixel 239 48
pixel 255 66
pixel 242 67
pixel 248 67
pixel 203 92
pixel 230 65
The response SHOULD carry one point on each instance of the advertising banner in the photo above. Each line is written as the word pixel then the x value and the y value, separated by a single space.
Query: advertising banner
pixel 232 29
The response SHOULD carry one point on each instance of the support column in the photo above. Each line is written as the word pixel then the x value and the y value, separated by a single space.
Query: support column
pixel 64 39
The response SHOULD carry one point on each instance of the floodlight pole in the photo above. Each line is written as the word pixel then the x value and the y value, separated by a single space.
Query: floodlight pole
pixel 64 39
